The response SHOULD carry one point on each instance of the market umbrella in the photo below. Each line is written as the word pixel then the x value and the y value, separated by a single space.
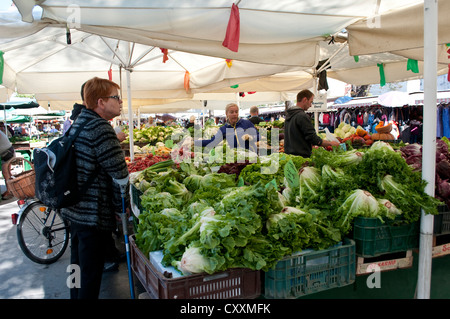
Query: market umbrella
pixel 18 119
pixel 16 105
pixel 342 99
pixel 394 99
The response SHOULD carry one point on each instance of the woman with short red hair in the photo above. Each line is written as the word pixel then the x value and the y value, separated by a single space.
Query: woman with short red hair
pixel 98 153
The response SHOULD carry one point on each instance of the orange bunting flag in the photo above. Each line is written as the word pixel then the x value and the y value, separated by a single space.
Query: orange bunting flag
pixel 231 40
pixel 165 52
pixel 229 62
pixel 186 81
pixel 110 74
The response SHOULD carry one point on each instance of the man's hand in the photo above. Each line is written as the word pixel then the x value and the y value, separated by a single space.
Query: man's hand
pixel 121 136
pixel 326 143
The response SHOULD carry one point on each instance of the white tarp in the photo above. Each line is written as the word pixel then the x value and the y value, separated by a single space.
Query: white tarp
pixel 400 32
pixel 44 64
pixel 270 32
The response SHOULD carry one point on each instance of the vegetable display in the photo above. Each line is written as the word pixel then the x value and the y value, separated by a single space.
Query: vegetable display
pixel 253 214
pixel 144 162
pixel 412 154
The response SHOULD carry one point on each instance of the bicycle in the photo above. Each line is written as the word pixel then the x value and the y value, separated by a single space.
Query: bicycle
pixel 42 233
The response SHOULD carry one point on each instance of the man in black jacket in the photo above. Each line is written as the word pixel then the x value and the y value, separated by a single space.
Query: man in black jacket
pixel 254 115
pixel 299 132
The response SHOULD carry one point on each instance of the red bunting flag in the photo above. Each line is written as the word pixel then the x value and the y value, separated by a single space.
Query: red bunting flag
pixel 448 75
pixel 231 40
pixel 110 74
pixel 165 52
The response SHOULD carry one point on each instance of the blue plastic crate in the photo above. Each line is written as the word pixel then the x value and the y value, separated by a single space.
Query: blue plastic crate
pixel 312 271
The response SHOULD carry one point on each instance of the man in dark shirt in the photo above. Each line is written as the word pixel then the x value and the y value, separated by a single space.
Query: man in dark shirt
pixel 254 115
pixel 299 133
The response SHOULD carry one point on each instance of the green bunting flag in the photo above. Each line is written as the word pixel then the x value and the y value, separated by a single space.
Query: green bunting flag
pixel 356 58
pixel 1 66
pixel 382 77
pixel 413 65
pixel 234 86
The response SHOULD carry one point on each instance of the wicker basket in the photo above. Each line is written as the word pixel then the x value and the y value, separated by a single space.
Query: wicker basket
pixel 22 185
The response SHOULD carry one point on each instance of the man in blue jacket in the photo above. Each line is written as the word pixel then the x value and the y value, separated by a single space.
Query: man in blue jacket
pixel 239 133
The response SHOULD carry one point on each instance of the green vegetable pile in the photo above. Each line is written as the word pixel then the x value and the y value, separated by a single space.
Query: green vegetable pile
pixel 210 222
pixel 204 222
pixel 349 189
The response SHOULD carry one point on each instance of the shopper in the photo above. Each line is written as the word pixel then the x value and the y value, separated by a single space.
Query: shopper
pixel 7 153
pixel 98 152
pixel 239 133
pixel 254 115
pixel 299 132
pixel 191 122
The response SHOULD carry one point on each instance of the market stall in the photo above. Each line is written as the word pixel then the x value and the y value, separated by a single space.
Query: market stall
pixel 182 208
pixel 291 46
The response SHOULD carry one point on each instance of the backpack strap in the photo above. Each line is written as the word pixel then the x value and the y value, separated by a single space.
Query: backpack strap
pixel 73 138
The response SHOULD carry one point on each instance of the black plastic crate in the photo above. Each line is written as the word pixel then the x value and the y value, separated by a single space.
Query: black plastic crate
pixel 442 221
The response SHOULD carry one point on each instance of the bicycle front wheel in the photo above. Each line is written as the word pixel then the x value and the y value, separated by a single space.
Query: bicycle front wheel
pixel 42 233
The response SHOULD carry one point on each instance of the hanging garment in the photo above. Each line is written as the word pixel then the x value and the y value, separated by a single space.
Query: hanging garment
pixel 360 119
pixel 353 118
pixel 439 123
pixel 366 118
pixel 326 119
pixel 347 118
pixel 446 122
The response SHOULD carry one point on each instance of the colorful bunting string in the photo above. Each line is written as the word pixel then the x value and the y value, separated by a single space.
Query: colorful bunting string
pixel 187 78
pixel 231 40
pixel 382 76
pixel 413 66
pixel 165 52
pixel 2 63
pixel 448 51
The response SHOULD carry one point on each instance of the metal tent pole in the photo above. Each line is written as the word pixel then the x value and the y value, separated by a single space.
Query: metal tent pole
pixel 130 115
pixel 428 144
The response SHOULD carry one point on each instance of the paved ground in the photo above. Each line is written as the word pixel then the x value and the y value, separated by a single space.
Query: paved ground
pixel 21 278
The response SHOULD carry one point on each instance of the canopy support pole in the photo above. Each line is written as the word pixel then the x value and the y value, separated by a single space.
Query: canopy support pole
pixel 130 115
pixel 429 144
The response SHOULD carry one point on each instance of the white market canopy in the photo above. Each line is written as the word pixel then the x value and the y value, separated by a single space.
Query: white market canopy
pixel 273 33
pixel 40 61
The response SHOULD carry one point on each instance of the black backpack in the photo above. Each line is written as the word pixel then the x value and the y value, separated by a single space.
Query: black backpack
pixel 56 175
